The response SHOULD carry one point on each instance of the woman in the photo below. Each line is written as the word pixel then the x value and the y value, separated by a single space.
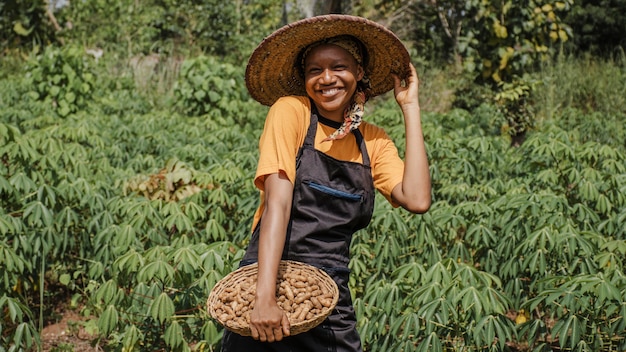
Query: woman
pixel 320 164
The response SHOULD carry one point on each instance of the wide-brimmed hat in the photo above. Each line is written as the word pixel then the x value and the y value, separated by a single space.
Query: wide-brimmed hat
pixel 273 70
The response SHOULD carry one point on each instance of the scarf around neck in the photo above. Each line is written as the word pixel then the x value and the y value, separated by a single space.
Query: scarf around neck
pixel 352 117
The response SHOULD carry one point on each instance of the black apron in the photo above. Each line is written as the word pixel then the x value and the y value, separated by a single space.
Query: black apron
pixel 332 199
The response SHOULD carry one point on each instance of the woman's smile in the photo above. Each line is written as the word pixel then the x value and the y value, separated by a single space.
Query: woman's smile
pixel 330 92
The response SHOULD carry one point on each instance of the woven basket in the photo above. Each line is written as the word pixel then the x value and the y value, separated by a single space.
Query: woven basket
pixel 235 292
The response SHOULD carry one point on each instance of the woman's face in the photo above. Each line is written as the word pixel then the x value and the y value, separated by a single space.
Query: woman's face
pixel 330 77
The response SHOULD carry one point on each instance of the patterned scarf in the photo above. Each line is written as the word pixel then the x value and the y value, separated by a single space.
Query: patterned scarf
pixel 352 117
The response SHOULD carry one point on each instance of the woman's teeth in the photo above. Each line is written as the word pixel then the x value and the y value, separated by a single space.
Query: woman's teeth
pixel 330 91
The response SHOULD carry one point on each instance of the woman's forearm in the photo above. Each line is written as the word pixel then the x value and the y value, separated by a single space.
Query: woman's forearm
pixel 415 186
pixel 275 219
pixel 413 193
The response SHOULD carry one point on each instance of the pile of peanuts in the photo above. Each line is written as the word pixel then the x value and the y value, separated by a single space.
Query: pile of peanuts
pixel 298 293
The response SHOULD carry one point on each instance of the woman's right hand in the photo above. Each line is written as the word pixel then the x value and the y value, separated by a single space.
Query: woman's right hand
pixel 268 323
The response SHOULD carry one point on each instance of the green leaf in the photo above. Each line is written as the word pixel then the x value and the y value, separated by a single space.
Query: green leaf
pixel 24 335
pixel 54 91
pixel 23 183
pixel 162 308
pixel 174 335
pixel 109 293
pixel 70 97
pixel 471 301
pixel 13 308
pixel 199 94
pixel 158 269
pixel 37 214
pixel 108 320
pixel 214 96
pixel 65 279
pixel 431 343
pixel 186 259
pixel 132 335
pixel 11 261
pixel 18 28
pixel 129 262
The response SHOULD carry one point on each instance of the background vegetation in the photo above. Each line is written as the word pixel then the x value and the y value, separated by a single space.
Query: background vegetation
pixel 128 146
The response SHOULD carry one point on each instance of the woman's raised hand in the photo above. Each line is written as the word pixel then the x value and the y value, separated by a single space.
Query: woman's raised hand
pixel 406 91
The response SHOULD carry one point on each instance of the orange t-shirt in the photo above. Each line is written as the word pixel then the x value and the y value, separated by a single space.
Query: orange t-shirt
pixel 285 129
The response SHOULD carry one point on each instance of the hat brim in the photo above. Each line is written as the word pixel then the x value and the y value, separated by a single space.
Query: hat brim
pixel 272 71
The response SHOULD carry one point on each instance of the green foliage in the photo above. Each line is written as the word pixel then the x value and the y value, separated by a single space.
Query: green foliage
pixel 135 203
pixel 517 37
pixel 494 40
pixel 598 27
pixel 588 84
pixel 513 101
pixel 16 333
pixel 62 78
pixel 215 27
pixel 207 86
pixel 530 227
pixel 24 23
pixel 73 213
pixel 497 42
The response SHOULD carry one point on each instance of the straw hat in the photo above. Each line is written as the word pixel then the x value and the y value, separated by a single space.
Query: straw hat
pixel 273 72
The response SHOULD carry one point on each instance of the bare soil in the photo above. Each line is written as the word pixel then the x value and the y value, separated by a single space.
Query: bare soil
pixel 68 334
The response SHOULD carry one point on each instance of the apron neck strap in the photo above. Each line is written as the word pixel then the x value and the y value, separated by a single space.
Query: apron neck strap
pixel 309 141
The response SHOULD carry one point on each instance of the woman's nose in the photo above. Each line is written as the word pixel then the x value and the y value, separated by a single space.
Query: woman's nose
pixel 327 76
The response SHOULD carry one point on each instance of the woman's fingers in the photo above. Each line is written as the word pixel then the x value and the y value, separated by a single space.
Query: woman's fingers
pixel 286 326
pixel 269 331
pixel 277 335
pixel 254 332
pixel 406 91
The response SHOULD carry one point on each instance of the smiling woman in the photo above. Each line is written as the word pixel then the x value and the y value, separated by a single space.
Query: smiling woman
pixel 320 164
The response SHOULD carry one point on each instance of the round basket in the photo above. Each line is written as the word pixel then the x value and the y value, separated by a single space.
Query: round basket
pixel 306 294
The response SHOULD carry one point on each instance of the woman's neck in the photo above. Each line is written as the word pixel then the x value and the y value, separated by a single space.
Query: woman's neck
pixel 328 122
pixel 323 119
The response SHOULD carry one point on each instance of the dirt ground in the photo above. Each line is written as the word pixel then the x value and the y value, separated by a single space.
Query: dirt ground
pixel 67 334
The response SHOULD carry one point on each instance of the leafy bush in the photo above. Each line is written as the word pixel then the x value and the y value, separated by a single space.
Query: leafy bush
pixel 597 27
pixel 62 78
pixel 208 86
pixel 169 27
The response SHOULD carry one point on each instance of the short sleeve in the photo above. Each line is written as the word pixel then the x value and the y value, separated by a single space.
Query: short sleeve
pixel 387 166
pixel 281 138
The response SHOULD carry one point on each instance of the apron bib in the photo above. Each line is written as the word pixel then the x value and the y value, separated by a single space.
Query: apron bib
pixel 332 199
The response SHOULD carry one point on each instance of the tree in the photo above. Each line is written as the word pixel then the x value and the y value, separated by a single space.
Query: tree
pixel 598 26
pixel 26 23
pixel 498 42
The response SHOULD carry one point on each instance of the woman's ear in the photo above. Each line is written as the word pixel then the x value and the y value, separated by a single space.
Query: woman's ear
pixel 360 72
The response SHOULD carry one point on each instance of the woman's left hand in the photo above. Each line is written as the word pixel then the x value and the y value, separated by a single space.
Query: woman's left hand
pixel 406 91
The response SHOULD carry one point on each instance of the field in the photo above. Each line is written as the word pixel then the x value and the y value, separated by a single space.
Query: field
pixel 127 193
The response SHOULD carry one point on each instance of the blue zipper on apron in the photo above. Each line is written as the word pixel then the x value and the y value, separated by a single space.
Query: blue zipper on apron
pixel 334 192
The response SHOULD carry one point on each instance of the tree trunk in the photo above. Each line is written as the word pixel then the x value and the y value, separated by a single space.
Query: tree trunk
pixel 517 139
pixel 310 8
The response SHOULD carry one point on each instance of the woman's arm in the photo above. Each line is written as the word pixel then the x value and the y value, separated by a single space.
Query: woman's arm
pixel 267 321
pixel 413 193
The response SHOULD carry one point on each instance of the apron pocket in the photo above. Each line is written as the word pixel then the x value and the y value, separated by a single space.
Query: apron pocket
pixel 334 192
